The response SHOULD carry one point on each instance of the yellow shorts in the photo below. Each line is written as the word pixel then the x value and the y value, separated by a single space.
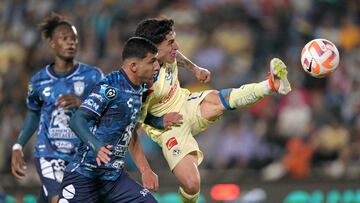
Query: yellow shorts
pixel 179 141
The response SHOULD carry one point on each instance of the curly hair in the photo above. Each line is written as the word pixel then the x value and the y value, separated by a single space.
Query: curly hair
pixel 50 23
pixel 154 29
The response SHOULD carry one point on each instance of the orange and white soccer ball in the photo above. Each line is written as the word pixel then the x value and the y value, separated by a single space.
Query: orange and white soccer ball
pixel 320 58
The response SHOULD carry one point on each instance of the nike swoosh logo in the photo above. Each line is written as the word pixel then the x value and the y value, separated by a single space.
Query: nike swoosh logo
pixel 309 68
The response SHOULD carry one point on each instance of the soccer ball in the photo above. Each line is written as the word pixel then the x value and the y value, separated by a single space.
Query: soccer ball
pixel 319 58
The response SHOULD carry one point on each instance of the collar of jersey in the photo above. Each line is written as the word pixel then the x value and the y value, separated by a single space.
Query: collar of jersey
pixel 51 71
pixel 135 87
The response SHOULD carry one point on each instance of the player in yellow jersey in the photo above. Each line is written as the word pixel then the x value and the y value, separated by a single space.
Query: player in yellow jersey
pixel 200 110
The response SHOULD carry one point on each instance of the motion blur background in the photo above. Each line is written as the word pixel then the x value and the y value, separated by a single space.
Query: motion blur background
pixel 304 147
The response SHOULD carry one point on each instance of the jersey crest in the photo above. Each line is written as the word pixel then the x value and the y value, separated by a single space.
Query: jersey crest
pixel 79 87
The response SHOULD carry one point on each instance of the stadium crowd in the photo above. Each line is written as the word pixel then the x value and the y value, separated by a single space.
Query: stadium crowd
pixel 315 128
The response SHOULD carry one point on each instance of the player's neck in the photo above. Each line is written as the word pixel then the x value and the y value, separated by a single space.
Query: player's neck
pixel 131 76
pixel 62 66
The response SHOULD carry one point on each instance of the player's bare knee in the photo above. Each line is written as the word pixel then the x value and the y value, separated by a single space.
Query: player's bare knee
pixel 211 106
pixel 192 186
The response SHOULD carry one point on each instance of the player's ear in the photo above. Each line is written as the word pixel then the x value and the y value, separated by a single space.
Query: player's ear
pixel 133 66
pixel 51 43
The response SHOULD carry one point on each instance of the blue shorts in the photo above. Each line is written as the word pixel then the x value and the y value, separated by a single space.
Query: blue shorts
pixel 78 188
pixel 51 173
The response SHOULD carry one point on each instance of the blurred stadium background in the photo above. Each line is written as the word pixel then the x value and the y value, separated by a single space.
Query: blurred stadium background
pixel 302 148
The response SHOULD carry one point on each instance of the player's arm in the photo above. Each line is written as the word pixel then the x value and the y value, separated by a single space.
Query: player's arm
pixel 79 125
pixel 31 124
pixel 202 74
pixel 165 121
pixel 149 178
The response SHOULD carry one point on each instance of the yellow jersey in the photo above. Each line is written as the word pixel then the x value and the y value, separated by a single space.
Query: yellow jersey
pixel 164 95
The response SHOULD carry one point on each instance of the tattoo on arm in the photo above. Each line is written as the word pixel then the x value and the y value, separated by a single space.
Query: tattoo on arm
pixel 184 62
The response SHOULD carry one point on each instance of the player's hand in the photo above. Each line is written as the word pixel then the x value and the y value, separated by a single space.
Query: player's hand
pixel 150 180
pixel 103 155
pixel 67 101
pixel 18 165
pixel 203 75
pixel 172 119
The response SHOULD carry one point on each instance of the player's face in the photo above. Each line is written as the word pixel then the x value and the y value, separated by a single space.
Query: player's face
pixel 147 67
pixel 168 49
pixel 64 42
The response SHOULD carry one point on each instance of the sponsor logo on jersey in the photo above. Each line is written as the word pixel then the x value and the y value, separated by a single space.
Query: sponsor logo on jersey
pixel 45 82
pixel 130 102
pixel 59 124
pixel 97 96
pixel 171 143
pixel 78 78
pixel 79 87
pixel 170 94
pixel 92 104
pixel 46 92
pixel 110 93
pixel 176 151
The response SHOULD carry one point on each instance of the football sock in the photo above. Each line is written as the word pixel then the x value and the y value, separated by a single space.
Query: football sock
pixel 186 198
pixel 245 95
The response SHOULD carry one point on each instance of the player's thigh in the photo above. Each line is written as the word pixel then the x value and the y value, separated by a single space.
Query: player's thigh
pixel 51 172
pixel 211 106
pixel 178 142
pixel 186 171
pixel 126 189
pixel 201 110
pixel 78 188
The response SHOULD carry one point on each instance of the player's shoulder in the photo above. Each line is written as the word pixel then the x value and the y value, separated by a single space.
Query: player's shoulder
pixel 89 68
pixel 41 74
pixel 166 71
pixel 120 80
pixel 115 78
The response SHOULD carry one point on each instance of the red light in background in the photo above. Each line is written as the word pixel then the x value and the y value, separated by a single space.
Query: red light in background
pixel 221 192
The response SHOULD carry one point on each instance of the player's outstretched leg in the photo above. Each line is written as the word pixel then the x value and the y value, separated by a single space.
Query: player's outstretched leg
pixel 278 77
pixel 233 98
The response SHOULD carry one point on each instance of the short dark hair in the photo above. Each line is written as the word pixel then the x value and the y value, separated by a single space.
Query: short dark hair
pixel 50 23
pixel 138 47
pixel 154 29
